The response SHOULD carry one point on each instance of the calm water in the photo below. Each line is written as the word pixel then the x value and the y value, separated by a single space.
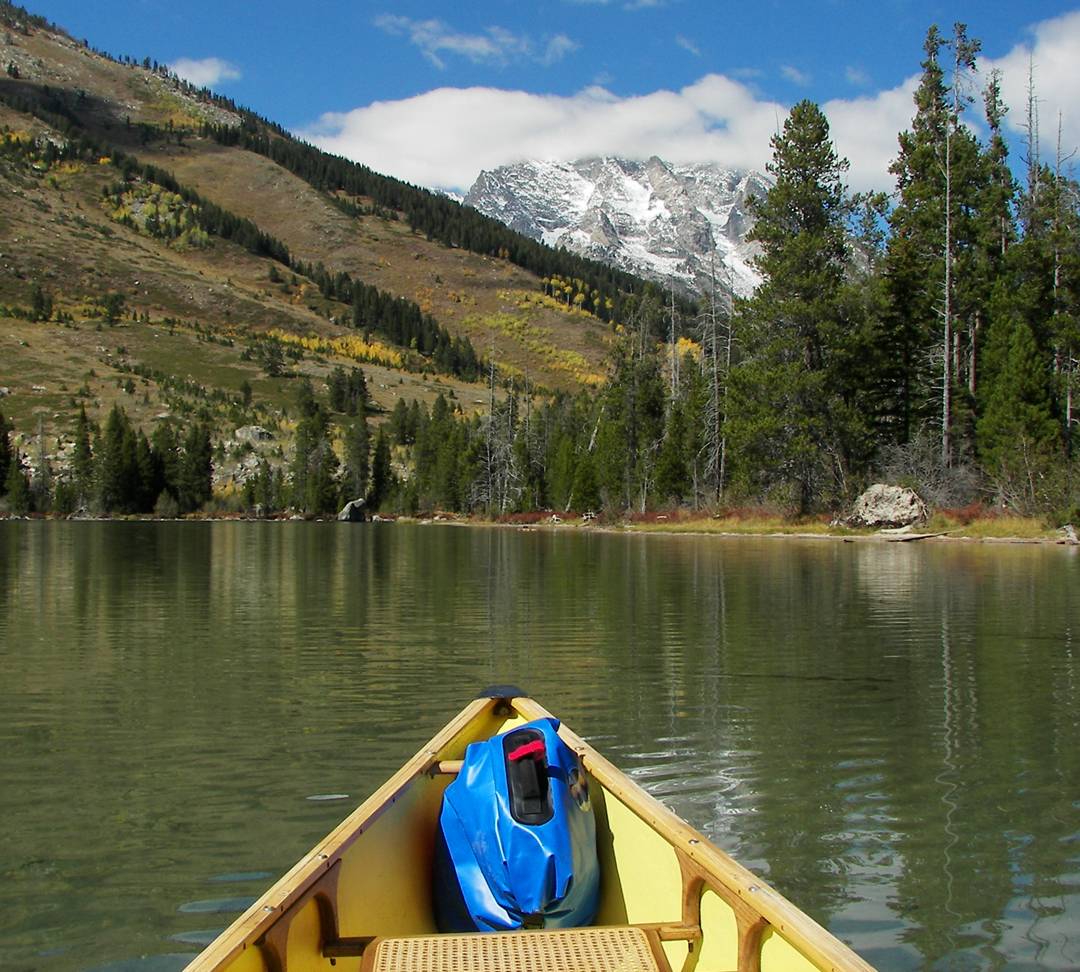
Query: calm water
pixel 889 733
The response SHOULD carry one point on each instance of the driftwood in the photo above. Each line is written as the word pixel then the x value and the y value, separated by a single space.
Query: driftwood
pixel 911 537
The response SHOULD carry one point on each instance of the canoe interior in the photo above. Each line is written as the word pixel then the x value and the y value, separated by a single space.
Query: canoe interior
pixel 372 877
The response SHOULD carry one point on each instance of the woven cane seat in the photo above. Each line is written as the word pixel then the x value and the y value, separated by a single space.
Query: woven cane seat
pixel 616 949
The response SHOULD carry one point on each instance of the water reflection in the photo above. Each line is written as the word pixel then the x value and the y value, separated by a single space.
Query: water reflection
pixel 888 732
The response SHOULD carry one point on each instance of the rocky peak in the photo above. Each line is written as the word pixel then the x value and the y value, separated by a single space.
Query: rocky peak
pixel 674 223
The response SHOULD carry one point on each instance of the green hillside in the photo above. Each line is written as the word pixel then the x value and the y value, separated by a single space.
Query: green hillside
pixel 149 259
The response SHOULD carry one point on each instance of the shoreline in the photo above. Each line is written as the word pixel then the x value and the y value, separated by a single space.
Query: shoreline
pixel 552 523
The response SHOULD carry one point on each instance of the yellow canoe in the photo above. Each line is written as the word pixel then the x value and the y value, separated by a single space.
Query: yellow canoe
pixel 670 900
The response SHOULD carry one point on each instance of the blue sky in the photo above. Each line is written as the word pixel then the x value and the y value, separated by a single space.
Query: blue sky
pixel 433 91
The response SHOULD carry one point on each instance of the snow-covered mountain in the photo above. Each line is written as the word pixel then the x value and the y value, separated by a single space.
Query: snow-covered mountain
pixel 667 222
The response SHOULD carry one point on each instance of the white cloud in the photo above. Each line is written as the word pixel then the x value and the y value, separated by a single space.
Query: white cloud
pixel 207 73
pixel 686 44
pixel 856 76
pixel 1053 52
pixel 443 138
pixel 795 76
pixel 446 136
pixel 496 45
pixel 557 48
pixel 865 130
pixel 434 39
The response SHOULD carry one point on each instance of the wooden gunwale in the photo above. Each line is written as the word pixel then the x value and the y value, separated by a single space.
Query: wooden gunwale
pixel 818 944
pixel 262 915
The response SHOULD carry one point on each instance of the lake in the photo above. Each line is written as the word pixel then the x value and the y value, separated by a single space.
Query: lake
pixel 888 733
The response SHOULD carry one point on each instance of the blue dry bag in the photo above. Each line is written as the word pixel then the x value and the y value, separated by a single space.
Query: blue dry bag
pixel 516 845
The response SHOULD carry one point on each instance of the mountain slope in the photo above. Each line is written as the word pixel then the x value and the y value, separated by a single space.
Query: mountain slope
pixel 670 223
pixel 164 250
pixel 86 226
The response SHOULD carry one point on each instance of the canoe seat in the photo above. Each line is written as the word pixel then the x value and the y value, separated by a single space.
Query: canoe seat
pixel 602 949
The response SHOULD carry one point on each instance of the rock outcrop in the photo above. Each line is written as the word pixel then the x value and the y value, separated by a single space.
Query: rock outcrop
pixel 355 511
pixel 888 506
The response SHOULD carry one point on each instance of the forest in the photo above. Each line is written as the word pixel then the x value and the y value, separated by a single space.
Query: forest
pixel 928 338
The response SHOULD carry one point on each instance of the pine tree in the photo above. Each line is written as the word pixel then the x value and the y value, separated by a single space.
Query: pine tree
pixel 6 452
pixel 793 430
pixel 17 486
pixel 1020 441
pixel 196 470
pixel 322 488
pixel 672 474
pixel 995 228
pixel 41 304
pixel 559 481
pixel 356 393
pixel 913 259
pixel 357 459
pixel 167 449
pixel 931 262
pixel 631 423
pixel 82 462
pixel 382 474
pixel 338 384
pixel 118 472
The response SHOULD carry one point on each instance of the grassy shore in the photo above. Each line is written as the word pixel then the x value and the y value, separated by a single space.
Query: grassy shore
pixel 948 525
pixel 969 525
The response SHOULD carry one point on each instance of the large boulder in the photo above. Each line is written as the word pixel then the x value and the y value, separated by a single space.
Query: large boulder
pixel 888 506
pixel 253 433
pixel 353 512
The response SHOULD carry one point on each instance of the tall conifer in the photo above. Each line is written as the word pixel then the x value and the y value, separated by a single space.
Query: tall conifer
pixel 790 426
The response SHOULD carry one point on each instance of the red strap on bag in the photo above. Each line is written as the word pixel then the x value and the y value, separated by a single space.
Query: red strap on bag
pixel 528 749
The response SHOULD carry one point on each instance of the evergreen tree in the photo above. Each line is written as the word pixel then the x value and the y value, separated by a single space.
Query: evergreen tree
pixel 677 472
pixel 399 424
pixel 196 470
pixel 167 450
pixel 118 473
pixel 357 459
pixel 586 488
pixel 356 393
pixel 322 488
pixel 151 477
pixel 1019 436
pixel 312 462
pixel 41 304
pixel 913 259
pixel 630 426
pixel 560 471
pixel 338 385
pixel 17 486
pixel 6 452
pixel 931 264
pixel 795 432
pixel 82 462
pixel 382 474
pixel 305 398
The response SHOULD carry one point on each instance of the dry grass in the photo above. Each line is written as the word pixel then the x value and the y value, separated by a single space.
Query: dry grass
pixel 750 524
pixel 992 527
